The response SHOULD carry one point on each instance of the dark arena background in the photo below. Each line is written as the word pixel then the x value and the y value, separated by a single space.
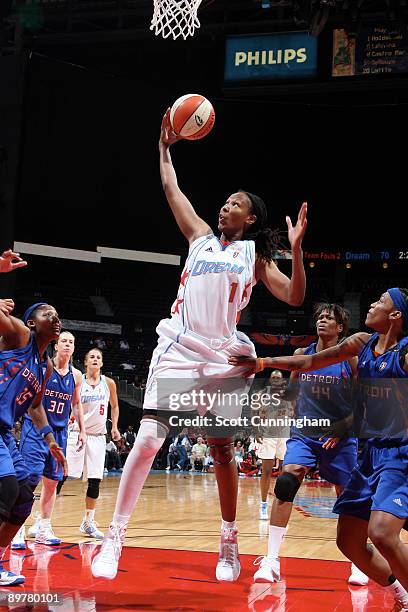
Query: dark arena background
pixel 83 88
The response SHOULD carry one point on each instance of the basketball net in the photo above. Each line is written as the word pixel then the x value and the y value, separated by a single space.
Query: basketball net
pixel 175 18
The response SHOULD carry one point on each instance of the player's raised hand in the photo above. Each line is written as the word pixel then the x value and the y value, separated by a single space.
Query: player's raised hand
pixel 297 232
pixel 58 454
pixel 253 365
pixel 6 306
pixel 10 261
pixel 167 135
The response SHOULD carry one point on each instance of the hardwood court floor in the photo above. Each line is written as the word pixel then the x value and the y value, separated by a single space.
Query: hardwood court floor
pixel 168 562
pixel 180 511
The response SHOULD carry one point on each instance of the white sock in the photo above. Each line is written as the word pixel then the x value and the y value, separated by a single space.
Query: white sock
pixel 276 535
pixel 399 592
pixel 89 515
pixel 120 520
pixel 228 525
pixel 45 522
pixel 149 440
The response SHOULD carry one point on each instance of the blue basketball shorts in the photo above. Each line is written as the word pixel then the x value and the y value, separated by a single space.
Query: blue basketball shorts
pixel 379 482
pixel 36 453
pixel 335 464
pixel 11 460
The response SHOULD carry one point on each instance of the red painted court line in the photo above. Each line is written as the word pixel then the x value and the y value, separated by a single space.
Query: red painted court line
pixel 173 580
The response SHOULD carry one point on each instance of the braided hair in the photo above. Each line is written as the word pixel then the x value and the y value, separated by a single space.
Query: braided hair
pixel 267 241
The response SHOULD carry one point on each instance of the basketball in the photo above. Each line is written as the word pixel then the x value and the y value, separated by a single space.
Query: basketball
pixel 192 116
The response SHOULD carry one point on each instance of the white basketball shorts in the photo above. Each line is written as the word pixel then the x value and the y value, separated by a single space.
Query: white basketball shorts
pixel 89 461
pixel 272 448
pixel 184 361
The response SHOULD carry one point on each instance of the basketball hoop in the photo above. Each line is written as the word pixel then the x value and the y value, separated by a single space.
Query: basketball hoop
pixel 175 18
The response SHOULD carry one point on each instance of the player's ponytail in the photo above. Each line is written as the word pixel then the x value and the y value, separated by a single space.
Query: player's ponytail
pixel 267 241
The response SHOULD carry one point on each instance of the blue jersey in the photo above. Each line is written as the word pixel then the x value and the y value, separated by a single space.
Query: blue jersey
pixel 382 398
pixel 57 398
pixel 22 375
pixel 324 393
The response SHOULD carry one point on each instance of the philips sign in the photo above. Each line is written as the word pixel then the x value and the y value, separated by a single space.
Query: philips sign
pixel 270 56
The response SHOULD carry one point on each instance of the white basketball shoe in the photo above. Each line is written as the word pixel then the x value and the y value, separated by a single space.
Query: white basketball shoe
pixel 105 563
pixel 263 511
pixel 269 569
pixel 357 577
pixel 18 542
pixel 228 566
pixel 89 527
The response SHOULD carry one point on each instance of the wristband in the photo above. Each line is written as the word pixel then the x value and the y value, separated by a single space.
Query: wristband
pixel 45 431
pixel 261 361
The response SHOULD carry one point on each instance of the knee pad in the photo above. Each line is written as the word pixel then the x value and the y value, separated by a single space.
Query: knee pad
pixel 286 487
pixel 23 504
pixel 93 488
pixel 9 491
pixel 223 454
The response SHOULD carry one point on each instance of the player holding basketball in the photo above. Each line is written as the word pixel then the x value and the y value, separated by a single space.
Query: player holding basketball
pixel 200 336
pixel 62 392
pixel 24 371
pixel 97 392
pixel 374 503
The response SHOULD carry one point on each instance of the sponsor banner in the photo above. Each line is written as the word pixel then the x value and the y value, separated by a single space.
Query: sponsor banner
pixel 287 55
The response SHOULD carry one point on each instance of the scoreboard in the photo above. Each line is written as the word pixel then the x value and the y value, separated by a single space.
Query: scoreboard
pixel 385 255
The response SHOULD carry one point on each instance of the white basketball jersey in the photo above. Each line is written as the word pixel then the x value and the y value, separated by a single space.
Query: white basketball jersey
pixel 95 401
pixel 215 286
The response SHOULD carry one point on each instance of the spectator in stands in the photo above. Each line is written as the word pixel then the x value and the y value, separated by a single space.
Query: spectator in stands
pixel 198 453
pixel 208 462
pixel 100 343
pixel 123 451
pixel 129 437
pixel 248 466
pixel 124 345
pixel 183 445
pixel 253 447
pixel 239 453
pixel 110 342
pixel 127 367
pixel 112 459
pixel 172 457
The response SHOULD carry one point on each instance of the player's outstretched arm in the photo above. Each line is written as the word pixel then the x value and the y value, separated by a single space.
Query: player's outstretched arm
pixel 305 363
pixel 114 404
pixel 289 290
pixel 191 225
pixel 13 331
